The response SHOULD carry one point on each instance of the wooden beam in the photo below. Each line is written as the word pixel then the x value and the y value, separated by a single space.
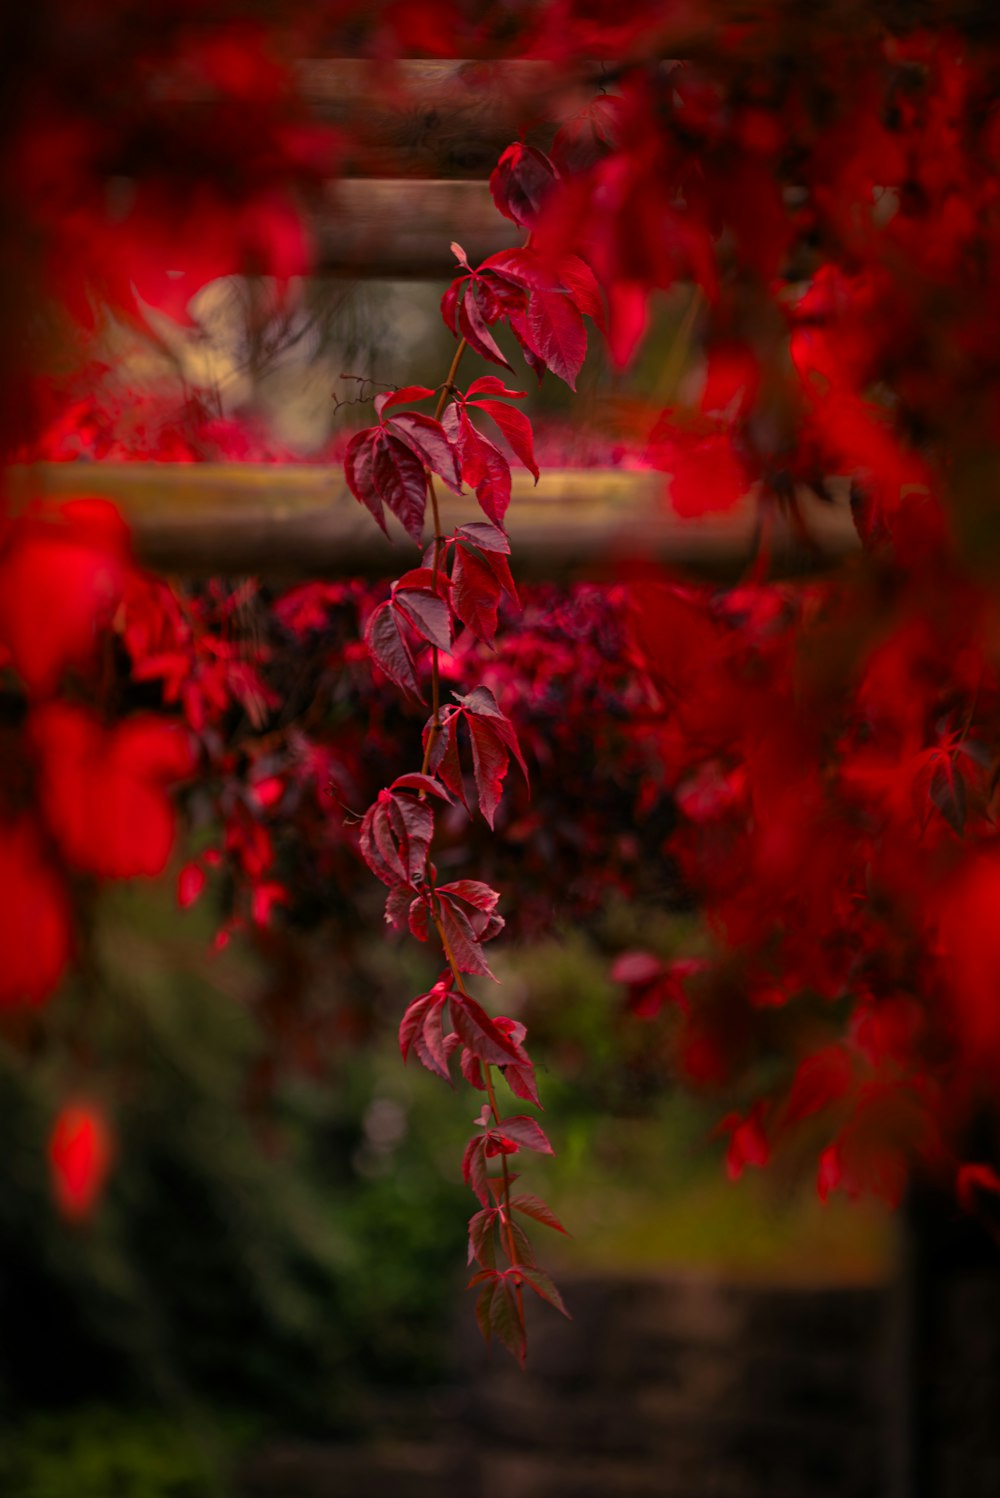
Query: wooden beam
pixel 439 119
pixel 425 118
pixel 402 229
pixel 285 522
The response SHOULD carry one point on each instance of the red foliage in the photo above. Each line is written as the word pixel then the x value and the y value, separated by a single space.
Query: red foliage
pixel 80 1153
pixel 830 748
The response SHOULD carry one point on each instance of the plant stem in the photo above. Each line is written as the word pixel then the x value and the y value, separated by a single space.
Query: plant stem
pixel 495 1110
pixel 446 390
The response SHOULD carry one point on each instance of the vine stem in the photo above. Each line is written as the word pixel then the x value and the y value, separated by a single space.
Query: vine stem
pixel 508 1230
pixel 446 390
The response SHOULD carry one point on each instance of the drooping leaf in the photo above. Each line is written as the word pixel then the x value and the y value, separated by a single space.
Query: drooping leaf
pixel 482 1237
pixel 474 1168
pixel 358 470
pixel 484 1306
pixel 400 480
pixel 390 651
pixel 524 1253
pixel 584 292
pixel 473 328
pixel 554 331
pixel 428 1042
pixel 489 761
pixel 543 1286
pixel 516 428
pixel 463 940
pixel 444 760
pixel 475 594
pixel 534 1207
pixel 482 704
pixel 506 1321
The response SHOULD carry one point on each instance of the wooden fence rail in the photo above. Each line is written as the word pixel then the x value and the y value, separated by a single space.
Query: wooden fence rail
pixel 279 521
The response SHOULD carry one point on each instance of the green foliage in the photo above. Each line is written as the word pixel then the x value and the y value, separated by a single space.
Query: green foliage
pixel 274 1260
pixel 98 1453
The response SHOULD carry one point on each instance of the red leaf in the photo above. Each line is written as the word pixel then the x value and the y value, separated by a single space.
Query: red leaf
pixel 482 703
pixel 506 1321
pixel 105 791
pixel 484 1306
pixel 401 481
pixel 427 613
pixel 554 331
pixel 378 848
pixel 80 1150
pixel 478 1033
pixel 418 782
pixel 397 903
pixel 421 1028
pixel 820 1080
pixel 492 385
pixel 402 397
pixel 463 941
pixel 581 283
pixel 444 759
pixel 428 1042
pixel 413 824
pixel 482 1238
pixel 475 594
pixel 190 883
pixel 473 892
pixel 472 326
pixel 534 1207
pixel 390 651
pixel 520 183
pixel 544 1287
pixel 36 935
pixel 489 760
pixel 358 470
pixel 62 575
pixel 493 489
pixel 426 439
pixel 972 1179
pixel 419 919
pixel 474 1168
pixel 486 536
pixel 516 428
pixel 748 1144
pixel 525 1132
pixel 411 1024
pixel 522 268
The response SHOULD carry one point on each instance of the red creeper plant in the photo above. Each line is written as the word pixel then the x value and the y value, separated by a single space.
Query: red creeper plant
pixel 459 586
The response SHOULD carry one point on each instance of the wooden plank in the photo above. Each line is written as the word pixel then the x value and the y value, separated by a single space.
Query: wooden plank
pixel 439 119
pixel 402 229
pixel 279 522
pixel 425 119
